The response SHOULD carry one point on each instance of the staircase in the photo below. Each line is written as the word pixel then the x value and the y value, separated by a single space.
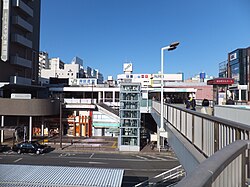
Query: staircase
pixel 106 107
pixel 167 178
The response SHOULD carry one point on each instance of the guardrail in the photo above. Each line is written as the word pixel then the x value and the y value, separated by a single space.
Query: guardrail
pixel 171 174
pixel 227 167
pixel 207 134
pixel 79 101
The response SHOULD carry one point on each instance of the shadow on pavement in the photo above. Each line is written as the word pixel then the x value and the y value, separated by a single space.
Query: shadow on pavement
pixel 129 181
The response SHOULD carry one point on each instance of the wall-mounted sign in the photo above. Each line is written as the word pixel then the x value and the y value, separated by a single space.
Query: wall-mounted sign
pixel 5 31
pixel 220 81
pixel 86 81
pixel 232 56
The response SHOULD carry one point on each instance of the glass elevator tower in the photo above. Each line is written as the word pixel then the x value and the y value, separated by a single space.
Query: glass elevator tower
pixel 130 95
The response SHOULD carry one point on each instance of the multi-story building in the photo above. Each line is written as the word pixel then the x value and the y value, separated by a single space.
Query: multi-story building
pixel 223 69
pixel 74 72
pixel 94 73
pixel 150 80
pixel 201 77
pixel 54 69
pixel 237 67
pixel 77 60
pixel 19 48
pixel 23 105
pixel 43 62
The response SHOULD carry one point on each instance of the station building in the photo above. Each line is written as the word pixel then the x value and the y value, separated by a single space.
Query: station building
pixel 88 107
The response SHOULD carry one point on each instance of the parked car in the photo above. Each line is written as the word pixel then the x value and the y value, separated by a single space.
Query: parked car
pixel 29 147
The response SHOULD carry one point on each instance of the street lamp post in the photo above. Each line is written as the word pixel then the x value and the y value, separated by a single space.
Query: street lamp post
pixel 170 47
pixel 60 118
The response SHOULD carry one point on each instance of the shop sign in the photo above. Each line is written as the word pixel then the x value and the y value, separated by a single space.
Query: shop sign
pixel 5 31
pixel 220 81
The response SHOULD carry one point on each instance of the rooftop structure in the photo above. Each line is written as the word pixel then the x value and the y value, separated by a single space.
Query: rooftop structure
pixel 55 176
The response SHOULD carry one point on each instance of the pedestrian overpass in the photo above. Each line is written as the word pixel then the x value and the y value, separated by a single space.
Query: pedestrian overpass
pixel 213 151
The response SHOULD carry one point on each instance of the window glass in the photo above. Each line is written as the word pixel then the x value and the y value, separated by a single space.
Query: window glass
pixel 235 72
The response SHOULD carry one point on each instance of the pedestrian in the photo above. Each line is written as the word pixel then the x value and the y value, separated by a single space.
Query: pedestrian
pixel 192 103
pixel 205 102
pixel 230 101
pixel 206 109
pixel 187 103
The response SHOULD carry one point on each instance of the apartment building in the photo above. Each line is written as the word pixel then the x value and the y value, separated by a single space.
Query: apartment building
pixel 20 32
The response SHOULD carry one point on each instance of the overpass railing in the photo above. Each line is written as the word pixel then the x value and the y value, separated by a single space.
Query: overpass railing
pixel 226 168
pixel 167 176
pixel 208 134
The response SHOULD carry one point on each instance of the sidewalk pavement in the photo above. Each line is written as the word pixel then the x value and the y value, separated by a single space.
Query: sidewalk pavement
pixel 81 144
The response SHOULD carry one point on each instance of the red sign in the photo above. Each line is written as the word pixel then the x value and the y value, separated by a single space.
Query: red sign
pixel 220 81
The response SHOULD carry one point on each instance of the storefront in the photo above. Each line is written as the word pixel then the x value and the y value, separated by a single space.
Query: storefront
pixel 80 124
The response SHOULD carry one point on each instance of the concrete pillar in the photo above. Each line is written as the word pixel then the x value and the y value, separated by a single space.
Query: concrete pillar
pixel 113 97
pixel 239 94
pixel 30 128
pixel 42 130
pixel 158 138
pixel 99 96
pixel 103 96
pixel 42 127
pixel 2 132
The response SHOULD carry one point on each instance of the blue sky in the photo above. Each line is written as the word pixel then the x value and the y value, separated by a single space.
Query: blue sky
pixel 107 33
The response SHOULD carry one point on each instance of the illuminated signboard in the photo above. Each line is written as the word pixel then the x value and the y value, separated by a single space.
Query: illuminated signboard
pixel 5 31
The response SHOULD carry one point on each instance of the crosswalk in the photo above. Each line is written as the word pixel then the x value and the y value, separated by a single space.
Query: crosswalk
pixel 156 157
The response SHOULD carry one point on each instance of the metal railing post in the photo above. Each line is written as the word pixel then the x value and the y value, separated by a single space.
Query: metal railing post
pixel 216 137
pixel 192 128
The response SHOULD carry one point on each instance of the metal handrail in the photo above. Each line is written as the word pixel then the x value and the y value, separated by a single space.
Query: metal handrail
pixel 195 126
pixel 167 175
pixel 223 163
pixel 224 143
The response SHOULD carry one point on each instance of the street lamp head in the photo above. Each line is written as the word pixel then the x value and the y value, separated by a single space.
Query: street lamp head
pixel 174 44
pixel 171 47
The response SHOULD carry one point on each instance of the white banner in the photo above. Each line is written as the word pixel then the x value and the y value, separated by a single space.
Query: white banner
pixel 5 31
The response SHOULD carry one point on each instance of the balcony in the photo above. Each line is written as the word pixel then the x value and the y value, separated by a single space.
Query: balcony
pixel 20 61
pixel 20 80
pixel 22 6
pixel 17 20
pixel 21 40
